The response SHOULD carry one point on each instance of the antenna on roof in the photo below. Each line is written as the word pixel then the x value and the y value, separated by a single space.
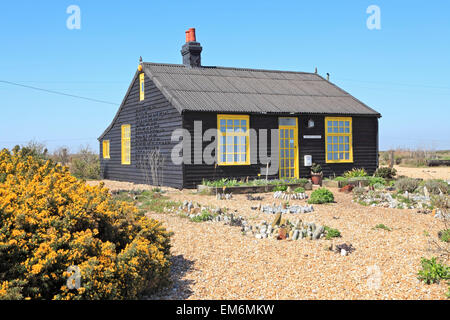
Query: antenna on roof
pixel 328 76
pixel 315 71
pixel 140 59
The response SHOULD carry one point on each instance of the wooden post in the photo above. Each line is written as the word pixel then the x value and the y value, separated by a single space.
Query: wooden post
pixel 392 159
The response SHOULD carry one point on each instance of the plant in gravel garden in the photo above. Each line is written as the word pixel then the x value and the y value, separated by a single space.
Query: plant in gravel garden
pixel 407 184
pixel 205 215
pixel 435 186
pixel 385 172
pixel 155 202
pixel 358 191
pixel 340 179
pixel 382 226
pixel 279 188
pixel 299 190
pixel 316 168
pixel 321 195
pixel 432 271
pixel 444 235
pixel 378 186
pixel 355 173
pixel 376 180
pixel 50 220
pixel 331 233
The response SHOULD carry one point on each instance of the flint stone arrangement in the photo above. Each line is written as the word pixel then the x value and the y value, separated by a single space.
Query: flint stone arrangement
pixel 224 196
pixel 288 209
pixel 422 202
pixel 290 196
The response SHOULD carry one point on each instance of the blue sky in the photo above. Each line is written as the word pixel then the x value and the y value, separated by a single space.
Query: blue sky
pixel 402 70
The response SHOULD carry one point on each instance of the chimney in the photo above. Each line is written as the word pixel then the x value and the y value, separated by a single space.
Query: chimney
pixel 191 50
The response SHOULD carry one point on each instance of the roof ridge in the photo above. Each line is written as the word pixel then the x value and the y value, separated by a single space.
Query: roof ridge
pixel 230 68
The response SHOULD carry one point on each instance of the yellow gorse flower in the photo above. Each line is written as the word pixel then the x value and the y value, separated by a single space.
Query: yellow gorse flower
pixel 50 221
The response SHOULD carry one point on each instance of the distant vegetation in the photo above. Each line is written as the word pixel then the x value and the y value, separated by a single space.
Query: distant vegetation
pixel 413 158
pixel 83 164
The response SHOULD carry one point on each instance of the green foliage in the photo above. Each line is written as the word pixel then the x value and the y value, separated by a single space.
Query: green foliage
pixel 321 195
pixel 331 233
pixel 378 186
pixel 358 191
pixel 155 202
pixel 341 179
pixel 316 168
pixel 382 226
pixel 225 182
pixel 386 173
pixel 299 190
pixel 444 235
pixel 205 215
pixel 376 180
pixel 279 188
pixel 432 271
pixel 355 172
pixel 407 184
pixel 85 164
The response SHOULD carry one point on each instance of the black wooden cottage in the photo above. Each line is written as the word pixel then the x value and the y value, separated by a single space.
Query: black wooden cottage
pixel 317 121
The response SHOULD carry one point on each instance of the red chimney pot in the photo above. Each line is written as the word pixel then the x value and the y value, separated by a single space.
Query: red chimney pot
pixel 190 35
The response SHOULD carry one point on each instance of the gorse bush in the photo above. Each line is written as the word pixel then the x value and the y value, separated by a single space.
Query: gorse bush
pixel 321 195
pixel 355 173
pixel 407 184
pixel 386 173
pixel 50 221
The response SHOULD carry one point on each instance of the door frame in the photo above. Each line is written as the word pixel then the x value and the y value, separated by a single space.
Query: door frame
pixel 296 146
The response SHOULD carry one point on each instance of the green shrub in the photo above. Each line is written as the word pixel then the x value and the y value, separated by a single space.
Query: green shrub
pixel 444 235
pixel 331 233
pixel 299 190
pixel 205 215
pixel 321 195
pixel 407 184
pixel 358 191
pixel 432 271
pixel 85 164
pixel 378 186
pixel 279 188
pixel 435 186
pixel 316 168
pixel 382 226
pixel 340 179
pixel 355 172
pixel 376 180
pixel 386 173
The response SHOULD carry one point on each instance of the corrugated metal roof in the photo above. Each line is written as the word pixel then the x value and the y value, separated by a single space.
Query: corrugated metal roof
pixel 223 89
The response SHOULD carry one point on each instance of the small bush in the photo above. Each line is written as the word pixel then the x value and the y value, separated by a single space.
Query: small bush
pixel 444 235
pixel 299 190
pixel 316 168
pixel 321 195
pixel 331 233
pixel 382 226
pixel 378 186
pixel 279 188
pixel 433 272
pixel 341 179
pixel 386 173
pixel 376 180
pixel 358 191
pixel 355 173
pixel 407 184
pixel 436 186
pixel 85 164
pixel 205 215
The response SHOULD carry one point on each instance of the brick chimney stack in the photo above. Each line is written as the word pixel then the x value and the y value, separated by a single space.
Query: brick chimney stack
pixel 191 50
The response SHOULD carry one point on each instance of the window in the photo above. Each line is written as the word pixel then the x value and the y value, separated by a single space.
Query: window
pixel 141 86
pixel 105 149
pixel 126 144
pixel 233 139
pixel 338 135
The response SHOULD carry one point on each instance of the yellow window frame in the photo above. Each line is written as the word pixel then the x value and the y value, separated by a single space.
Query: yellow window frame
pixel 339 134
pixel 126 144
pixel 141 86
pixel 221 134
pixel 106 149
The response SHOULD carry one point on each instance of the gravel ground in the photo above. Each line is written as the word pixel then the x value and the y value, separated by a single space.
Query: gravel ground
pixel 214 261
pixel 424 173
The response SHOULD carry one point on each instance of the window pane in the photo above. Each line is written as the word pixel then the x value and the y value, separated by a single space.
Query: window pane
pixel 243 123
pixel 223 158
pixel 291 133
pixel 347 147
pixel 222 129
pixel 335 123
pixel 330 123
pixel 347 130
pixel 282 143
pixel 282 153
pixel 292 163
pixel 286 121
pixel 335 139
pixel 222 122
pixel 292 172
pixel 229 158
pixel 335 147
pixel 341 156
pixel 243 148
pixel 236 123
pixel 230 123
pixel 336 129
pixel 330 156
pixel 222 148
pixel 229 148
pixel 292 153
pixel 281 133
pixel 346 139
pixel 330 147
pixel 243 158
pixel 335 156
pixel 243 140
pixel 341 123
pixel 347 123
pixel 341 139
pixel 347 157
pixel 223 139
pixel 341 129
pixel 341 147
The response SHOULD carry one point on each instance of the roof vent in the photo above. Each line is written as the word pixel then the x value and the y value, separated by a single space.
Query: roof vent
pixel 191 50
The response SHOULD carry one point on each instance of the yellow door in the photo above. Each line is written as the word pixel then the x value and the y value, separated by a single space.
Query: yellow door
pixel 288 134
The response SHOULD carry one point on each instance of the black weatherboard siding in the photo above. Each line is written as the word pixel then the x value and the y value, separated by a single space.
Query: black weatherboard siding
pixel 152 122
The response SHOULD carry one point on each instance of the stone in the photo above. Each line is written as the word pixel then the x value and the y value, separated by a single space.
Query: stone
pixel 295 234
pixel 318 232
pixel 276 220
pixel 343 252
pixel 346 189
pixel 282 234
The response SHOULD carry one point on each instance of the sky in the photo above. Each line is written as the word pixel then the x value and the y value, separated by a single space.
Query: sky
pixel 402 69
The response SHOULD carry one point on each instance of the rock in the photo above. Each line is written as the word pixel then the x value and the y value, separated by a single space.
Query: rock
pixel 343 252
pixel 282 234
pixel 346 189
pixel 318 232
pixel 276 220
pixel 295 235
